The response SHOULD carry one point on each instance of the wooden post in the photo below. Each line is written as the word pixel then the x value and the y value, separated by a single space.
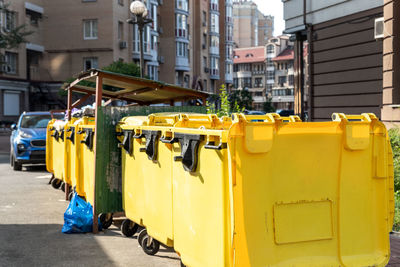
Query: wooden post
pixel 99 96
pixel 69 104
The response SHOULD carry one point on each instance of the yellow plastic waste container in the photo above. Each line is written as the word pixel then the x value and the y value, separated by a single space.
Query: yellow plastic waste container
pixel 55 151
pixel 84 159
pixel 262 190
pixel 72 141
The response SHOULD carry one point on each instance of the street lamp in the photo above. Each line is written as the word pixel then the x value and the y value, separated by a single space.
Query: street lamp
pixel 140 11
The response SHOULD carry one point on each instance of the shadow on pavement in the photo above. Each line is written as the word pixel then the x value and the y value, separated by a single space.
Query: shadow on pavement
pixel 45 245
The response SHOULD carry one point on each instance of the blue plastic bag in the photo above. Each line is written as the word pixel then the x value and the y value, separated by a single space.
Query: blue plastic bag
pixel 78 218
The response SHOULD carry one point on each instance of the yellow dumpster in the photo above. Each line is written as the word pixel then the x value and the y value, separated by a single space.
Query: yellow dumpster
pixel 55 151
pixel 84 159
pixel 72 147
pixel 263 190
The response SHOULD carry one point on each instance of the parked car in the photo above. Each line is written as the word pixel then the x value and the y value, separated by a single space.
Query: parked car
pixel 28 139
pixel 285 112
pixel 254 112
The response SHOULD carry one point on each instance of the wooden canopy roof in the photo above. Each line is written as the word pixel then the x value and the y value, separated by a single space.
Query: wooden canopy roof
pixel 132 89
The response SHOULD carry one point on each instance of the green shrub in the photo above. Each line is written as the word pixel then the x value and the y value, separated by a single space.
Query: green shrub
pixel 394 136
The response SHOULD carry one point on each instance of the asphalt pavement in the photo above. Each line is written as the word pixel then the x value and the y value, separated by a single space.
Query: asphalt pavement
pixel 31 218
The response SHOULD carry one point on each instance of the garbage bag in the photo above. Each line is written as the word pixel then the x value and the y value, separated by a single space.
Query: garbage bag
pixel 78 218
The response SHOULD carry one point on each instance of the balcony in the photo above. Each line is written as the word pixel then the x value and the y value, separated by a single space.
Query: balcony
pixel 182 64
pixel 228 78
pixel 214 50
pixel 258 72
pixel 214 6
pixel 214 74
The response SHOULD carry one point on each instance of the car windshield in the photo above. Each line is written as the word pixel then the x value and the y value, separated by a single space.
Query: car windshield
pixel 36 121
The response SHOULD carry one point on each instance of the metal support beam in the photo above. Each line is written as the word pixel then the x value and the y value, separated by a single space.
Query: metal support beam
pixel 99 97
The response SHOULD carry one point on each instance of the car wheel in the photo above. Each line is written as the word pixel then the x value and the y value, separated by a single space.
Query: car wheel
pixel 15 165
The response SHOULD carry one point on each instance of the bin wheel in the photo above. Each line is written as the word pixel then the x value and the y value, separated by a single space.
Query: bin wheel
pixel 63 187
pixel 56 183
pixel 149 245
pixel 129 228
pixel 70 195
pixel 106 220
pixel 51 179
pixel 141 235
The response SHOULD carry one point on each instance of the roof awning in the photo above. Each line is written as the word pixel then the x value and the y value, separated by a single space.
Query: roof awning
pixel 34 8
pixel 132 89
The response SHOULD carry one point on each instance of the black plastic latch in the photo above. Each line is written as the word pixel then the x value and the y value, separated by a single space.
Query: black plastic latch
pixel 151 143
pixel 62 134
pixel 127 143
pixel 189 150
pixel 72 135
pixel 55 135
pixel 88 141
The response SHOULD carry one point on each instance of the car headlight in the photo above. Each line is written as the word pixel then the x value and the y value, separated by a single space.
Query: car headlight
pixel 25 135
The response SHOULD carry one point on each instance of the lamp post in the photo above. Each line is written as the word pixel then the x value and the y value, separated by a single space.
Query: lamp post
pixel 140 11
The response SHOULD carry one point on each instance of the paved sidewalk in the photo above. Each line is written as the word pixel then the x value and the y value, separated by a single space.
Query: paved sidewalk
pixel 395 251
pixel 30 229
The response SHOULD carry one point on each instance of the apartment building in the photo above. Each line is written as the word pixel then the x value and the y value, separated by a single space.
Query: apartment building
pixel 195 49
pixel 283 88
pixel 251 27
pixel 249 73
pixel 68 37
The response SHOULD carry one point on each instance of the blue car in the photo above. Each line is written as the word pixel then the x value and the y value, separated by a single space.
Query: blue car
pixel 28 139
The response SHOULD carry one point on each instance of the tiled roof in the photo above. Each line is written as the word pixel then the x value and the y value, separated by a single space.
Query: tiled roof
pixel 287 54
pixel 249 55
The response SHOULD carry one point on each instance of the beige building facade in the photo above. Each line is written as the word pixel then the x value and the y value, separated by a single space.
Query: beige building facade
pixel 251 27
pixel 188 42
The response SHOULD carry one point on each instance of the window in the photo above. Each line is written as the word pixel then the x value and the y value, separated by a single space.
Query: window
pixel 204 41
pixel 11 60
pixel 182 5
pixel 154 42
pixel 235 82
pixel 214 64
pixel 11 103
pixel 205 85
pixel 152 72
pixel 135 38
pixel 270 49
pixel 182 49
pixel 229 33
pixel 246 82
pixel 229 68
pixel 214 23
pixel 90 29
pixel 229 52
pixel 181 26
pixel 258 82
pixel 205 62
pixel 120 30
pixel 90 63
pixel 281 80
pixel 121 2
pixel 214 41
pixel 270 63
pixel 270 75
pixel 291 79
pixel 10 20
pixel 204 18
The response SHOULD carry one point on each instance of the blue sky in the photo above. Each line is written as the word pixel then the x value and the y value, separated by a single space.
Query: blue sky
pixel 275 8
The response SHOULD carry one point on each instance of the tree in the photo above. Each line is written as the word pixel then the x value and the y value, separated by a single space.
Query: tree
pixel 267 106
pixel 226 106
pixel 241 98
pixel 11 36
